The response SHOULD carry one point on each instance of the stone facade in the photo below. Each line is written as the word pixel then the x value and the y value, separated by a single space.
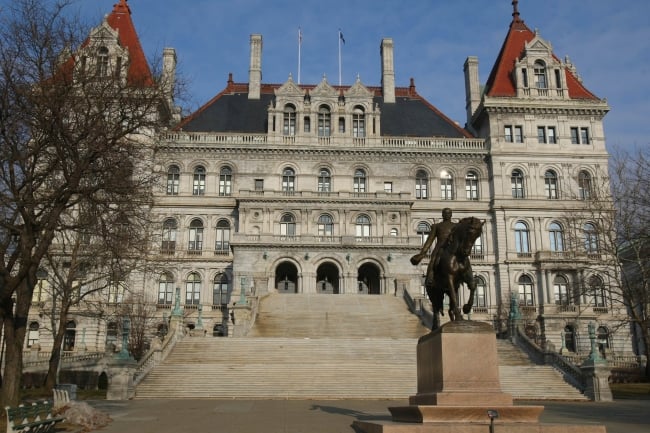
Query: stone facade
pixel 331 189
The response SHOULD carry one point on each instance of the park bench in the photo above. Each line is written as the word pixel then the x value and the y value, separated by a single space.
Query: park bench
pixel 34 418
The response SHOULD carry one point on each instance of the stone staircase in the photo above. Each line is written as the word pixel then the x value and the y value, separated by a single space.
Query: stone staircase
pixel 323 347
pixel 525 380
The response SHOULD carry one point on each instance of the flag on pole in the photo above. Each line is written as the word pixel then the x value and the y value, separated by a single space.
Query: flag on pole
pixel 341 36
pixel 299 50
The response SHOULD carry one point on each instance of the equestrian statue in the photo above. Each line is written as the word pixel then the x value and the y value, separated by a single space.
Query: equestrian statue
pixel 449 264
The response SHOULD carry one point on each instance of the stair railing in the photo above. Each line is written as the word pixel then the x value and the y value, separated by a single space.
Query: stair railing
pixel 571 373
pixel 418 306
pixel 156 355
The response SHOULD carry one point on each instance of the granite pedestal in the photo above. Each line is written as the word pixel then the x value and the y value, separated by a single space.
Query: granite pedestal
pixel 458 382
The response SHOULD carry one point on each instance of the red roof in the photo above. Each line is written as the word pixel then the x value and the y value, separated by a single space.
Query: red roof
pixel 500 81
pixel 120 20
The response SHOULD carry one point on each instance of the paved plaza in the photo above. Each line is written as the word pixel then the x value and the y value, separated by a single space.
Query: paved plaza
pixel 333 416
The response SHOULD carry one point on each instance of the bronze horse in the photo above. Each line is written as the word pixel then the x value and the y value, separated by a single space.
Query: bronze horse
pixel 452 269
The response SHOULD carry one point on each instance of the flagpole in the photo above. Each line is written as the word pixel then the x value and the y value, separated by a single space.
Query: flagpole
pixel 299 50
pixel 339 57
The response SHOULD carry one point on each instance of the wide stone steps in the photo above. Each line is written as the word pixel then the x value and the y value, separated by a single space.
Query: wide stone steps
pixel 284 368
pixel 325 347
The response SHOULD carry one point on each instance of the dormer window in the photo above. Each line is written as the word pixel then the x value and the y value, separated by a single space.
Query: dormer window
pixel 102 62
pixel 358 122
pixel 324 122
pixel 541 82
pixel 289 120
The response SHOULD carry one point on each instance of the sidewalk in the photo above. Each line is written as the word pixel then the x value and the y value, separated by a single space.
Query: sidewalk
pixel 333 416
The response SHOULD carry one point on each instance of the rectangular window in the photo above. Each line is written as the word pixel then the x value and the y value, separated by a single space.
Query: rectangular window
pixel 541 134
pixel 259 184
pixel 388 187
pixel 584 135
pixel 341 125
pixel 519 134
pixel 307 124
pixel 508 134
pixel 551 135
pixel 575 138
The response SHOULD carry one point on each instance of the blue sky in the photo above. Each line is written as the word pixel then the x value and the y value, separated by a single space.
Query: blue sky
pixel 607 40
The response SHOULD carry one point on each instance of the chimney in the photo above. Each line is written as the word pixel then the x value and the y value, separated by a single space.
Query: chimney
pixel 472 87
pixel 387 70
pixel 169 72
pixel 255 71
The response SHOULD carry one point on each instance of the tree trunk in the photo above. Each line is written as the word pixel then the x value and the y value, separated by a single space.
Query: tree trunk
pixel 14 337
pixel 55 358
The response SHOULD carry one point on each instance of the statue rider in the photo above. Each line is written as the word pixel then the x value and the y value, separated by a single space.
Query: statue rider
pixel 440 232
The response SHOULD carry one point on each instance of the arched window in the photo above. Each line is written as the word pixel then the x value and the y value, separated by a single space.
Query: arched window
pixel 358 122
pixel 481 292
pixel 597 289
pixel 102 62
pixel 222 244
pixel 325 226
pixel 522 244
pixel 556 235
pixel 541 81
pixel 33 334
pixel 526 291
pixel 446 186
pixel 220 290
pixel 477 248
pixel 198 182
pixel 324 180
pixel 550 185
pixel 591 238
pixel 288 180
pixel 225 181
pixel 421 185
pixel 69 336
pixel 363 227
pixel 173 180
pixel 517 184
pixel 584 185
pixel 471 185
pixel 193 289
pixel 560 290
pixel 423 231
pixel 324 121
pixel 289 120
pixel 166 290
pixel 168 245
pixel 195 236
pixel 287 225
pixel 359 181
pixel 394 232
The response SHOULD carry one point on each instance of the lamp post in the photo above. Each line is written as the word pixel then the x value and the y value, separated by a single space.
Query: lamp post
pixel 493 414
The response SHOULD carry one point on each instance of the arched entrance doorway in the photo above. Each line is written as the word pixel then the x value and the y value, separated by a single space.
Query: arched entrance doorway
pixel 286 278
pixel 327 279
pixel 368 280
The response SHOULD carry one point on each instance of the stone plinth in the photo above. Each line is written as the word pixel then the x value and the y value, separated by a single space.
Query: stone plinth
pixel 465 373
pixel 458 381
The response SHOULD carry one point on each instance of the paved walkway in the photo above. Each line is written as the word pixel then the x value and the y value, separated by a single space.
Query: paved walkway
pixel 335 416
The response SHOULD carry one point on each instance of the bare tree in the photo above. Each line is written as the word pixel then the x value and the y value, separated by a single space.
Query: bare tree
pixel 141 313
pixel 68 136
pixel 613 230
pixel 88 265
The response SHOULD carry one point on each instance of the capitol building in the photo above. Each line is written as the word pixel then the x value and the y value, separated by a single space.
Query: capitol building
pixel 289 189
